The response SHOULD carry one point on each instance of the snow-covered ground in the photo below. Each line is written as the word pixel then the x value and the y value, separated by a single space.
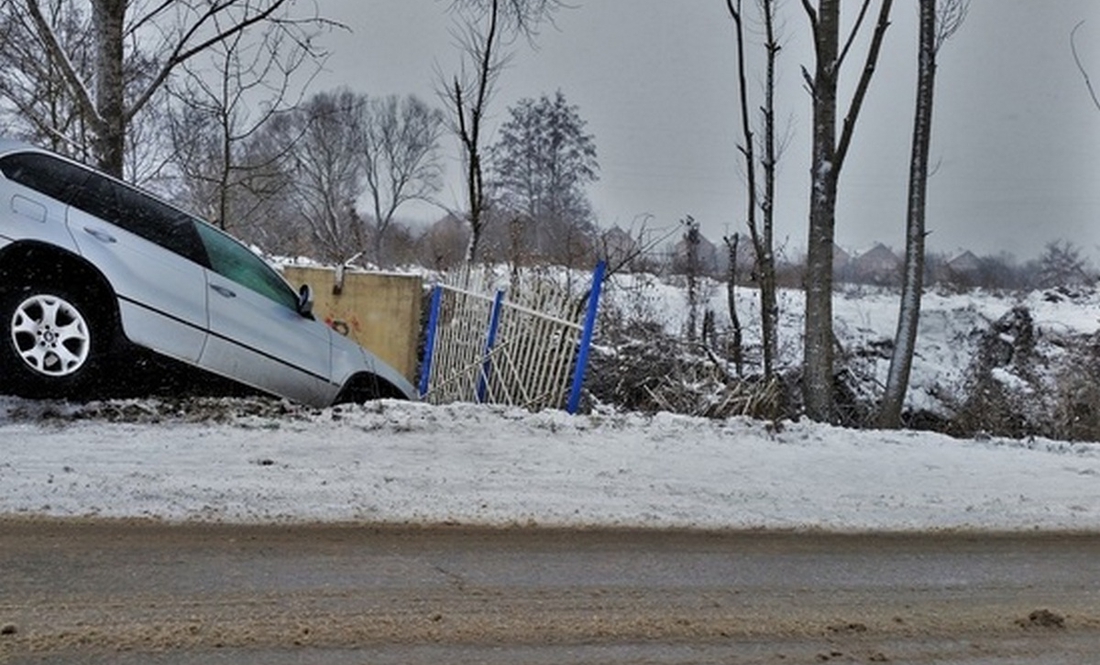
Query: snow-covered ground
pixel 398 462
pixel 950 330
pixel 395 462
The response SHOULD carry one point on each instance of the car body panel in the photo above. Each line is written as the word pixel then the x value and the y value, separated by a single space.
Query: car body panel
pixel 184 289
pixel 284 350
pixel 34 215
pixel 166 313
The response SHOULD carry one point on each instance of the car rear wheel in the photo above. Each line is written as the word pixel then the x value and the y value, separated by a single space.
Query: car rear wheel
pixel 51 343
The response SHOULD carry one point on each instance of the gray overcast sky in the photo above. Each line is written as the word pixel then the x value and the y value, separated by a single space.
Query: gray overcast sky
pixel 1015 135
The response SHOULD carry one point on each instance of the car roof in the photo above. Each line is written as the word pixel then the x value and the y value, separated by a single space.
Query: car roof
pixel 10 146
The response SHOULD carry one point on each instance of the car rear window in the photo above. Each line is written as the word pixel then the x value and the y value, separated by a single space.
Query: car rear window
pixel 111 201
pixel 48 175
pixel 160 223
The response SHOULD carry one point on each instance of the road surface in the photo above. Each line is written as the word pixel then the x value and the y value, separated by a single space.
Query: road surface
pixel 124 592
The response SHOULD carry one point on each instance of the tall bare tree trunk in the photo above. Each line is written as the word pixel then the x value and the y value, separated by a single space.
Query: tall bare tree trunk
pixel 107 20
pixel 933 32
pixel 827 160
pixel 765 253
pixel 761 233
pixel 901 360
pixel 489 27
pixel 817 367
pixel 469 114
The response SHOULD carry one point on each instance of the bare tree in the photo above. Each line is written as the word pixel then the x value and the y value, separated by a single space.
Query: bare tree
pixel 131 51
pixel 326 135
pixel 33 87
pixel 401 158
pixel 217 111
pixel 829 151
pixel 939 19
pixel 487 29
pixel 762 233
pixel 1061 265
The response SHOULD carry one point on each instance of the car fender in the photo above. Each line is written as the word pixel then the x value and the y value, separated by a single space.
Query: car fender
pixel 35 217
pixel 350 360
pixel 22 259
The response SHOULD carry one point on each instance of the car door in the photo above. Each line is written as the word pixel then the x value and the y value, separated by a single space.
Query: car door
pixel 153 259
pixel 257 335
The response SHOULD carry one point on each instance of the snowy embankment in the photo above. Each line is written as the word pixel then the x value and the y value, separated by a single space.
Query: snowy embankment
pixel 948 340
pixel 251 461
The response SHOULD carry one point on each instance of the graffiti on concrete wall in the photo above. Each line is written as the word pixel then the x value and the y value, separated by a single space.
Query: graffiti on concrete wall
pixel 344 322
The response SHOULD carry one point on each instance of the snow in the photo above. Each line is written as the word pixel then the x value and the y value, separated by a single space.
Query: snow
pixel 390 462
pixel 413 463
pixel 948 332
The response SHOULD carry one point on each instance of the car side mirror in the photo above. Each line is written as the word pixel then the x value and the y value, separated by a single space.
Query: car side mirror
pixel 305 301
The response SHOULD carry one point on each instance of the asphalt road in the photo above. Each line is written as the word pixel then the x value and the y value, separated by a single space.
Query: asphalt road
pixel 95 592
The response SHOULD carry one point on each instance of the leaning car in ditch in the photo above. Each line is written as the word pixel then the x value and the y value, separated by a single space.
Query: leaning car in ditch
pixel 94 272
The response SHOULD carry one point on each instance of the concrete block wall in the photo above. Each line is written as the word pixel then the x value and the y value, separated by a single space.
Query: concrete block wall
pixel 380 311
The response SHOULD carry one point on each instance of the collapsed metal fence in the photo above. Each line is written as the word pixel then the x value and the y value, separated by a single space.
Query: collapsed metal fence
pixel 525 346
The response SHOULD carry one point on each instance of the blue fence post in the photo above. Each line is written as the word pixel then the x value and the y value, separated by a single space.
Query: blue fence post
pixel 429 344
pixel 494 322
pixel 586 338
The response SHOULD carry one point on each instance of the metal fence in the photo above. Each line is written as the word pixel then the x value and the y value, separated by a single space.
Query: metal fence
pixel 526 345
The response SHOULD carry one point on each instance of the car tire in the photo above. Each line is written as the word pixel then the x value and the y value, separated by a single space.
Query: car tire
pixel 51 342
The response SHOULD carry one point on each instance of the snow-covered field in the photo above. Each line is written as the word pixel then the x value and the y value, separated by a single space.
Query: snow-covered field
pixel 950 330
pixel 394 462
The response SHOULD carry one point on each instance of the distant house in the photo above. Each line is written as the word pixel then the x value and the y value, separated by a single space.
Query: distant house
pixel 965 264
pixel 706 257
pixel 746 257
pixel 616 246
pixel 878 265
pixel 963 271
pixel 842 260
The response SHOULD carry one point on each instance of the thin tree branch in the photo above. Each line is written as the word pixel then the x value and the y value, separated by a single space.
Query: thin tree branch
pixel 181 54
pixel 1080 66
pixel 864 83
pixel 57 54
pixel 853 33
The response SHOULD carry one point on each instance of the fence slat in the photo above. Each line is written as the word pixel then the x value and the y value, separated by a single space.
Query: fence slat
pixel 514 348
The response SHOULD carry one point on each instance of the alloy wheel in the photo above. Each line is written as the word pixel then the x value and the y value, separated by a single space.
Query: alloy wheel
pixel 50 335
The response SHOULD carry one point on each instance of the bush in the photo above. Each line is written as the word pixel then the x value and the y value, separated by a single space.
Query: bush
pixel 1076 416
pixel 639 367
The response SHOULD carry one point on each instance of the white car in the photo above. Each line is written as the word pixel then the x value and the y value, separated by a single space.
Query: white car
pixel 94 271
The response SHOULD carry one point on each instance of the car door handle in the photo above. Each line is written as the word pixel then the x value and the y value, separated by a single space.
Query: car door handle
pixel 101 236
pixel 223 291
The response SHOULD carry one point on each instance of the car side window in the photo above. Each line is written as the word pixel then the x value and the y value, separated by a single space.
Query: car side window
pixel 46 174
pixel 160 223
pixel 141 215
pixel 234 261
pixel 97 198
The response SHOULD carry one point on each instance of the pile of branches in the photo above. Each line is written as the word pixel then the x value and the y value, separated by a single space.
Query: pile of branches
pixel 650 371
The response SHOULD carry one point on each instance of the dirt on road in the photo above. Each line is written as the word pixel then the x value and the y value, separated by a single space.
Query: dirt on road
pixel 78 591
